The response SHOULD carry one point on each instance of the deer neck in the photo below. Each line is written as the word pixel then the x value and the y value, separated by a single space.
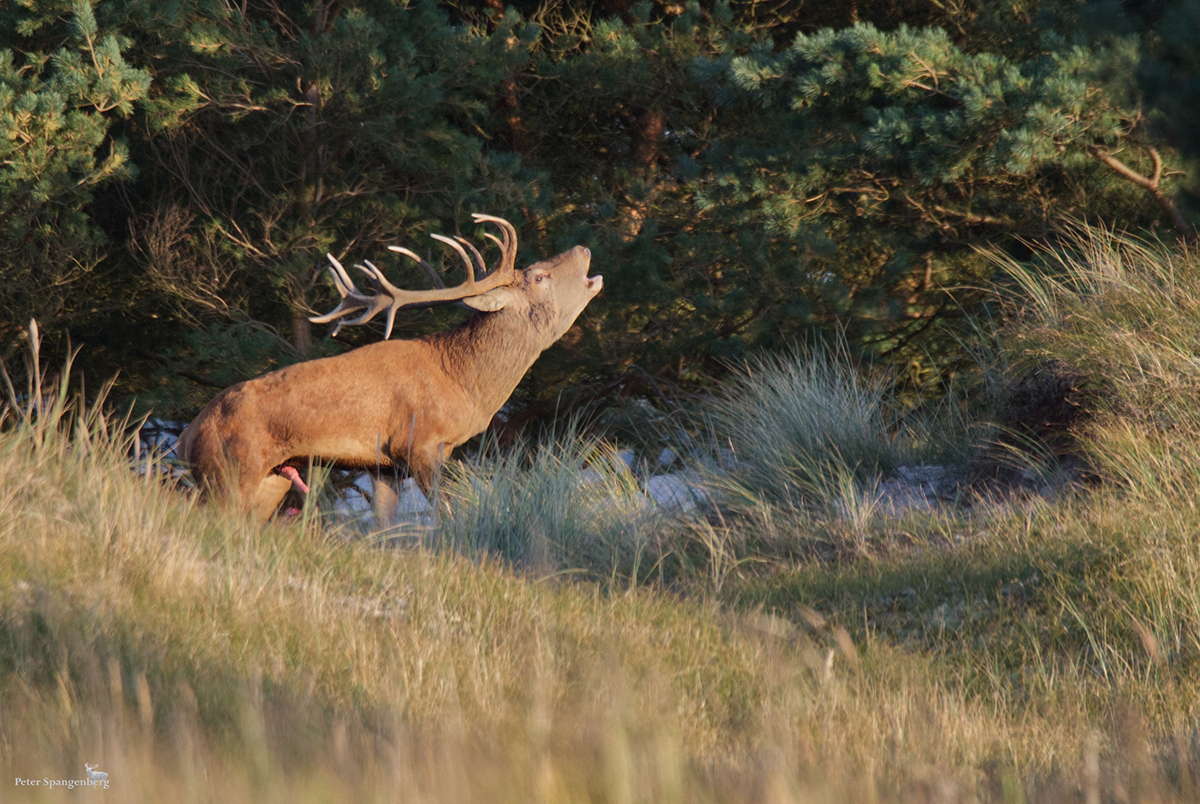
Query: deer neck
pixel 489 353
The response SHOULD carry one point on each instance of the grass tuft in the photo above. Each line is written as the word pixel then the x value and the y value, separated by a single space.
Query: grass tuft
pixel 795 429
pixel 567 503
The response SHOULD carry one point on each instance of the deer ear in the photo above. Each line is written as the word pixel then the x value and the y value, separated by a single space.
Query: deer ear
pixel 491 301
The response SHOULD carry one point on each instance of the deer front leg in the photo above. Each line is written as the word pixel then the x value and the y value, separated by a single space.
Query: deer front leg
pixel 425 466
pixel 263 499
pixel 385 500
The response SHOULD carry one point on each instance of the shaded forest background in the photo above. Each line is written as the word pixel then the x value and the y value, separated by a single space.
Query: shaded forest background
pixel 748 174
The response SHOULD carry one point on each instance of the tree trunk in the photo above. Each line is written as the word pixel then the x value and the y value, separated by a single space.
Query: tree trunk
pixel 301 333
pixel 651 125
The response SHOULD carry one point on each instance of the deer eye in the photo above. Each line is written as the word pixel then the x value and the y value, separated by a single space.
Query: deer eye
pixel 540 277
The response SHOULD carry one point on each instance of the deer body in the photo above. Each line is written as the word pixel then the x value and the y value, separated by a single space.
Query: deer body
pixel 389 405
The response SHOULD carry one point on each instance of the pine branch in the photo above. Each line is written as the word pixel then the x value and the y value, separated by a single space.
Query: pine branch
pixel 1150 184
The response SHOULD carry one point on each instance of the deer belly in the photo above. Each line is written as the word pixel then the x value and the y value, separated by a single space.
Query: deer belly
pixel 351 451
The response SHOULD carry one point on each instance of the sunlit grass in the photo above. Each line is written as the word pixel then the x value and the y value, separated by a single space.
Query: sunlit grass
pixel 557 638
pixel 1119 312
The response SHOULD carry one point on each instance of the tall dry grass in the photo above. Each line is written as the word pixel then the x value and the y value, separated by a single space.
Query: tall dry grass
pixel 792 426
pixel 1005 652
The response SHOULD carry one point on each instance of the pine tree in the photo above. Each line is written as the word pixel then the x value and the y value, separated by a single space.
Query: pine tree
pixel 739 192
pixel 283 131
pixel 63 83
pixel 883 157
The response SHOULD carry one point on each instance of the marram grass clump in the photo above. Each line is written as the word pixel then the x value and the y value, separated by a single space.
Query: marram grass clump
pixel 1117 310
pixel 789 427
pixel 567 503
pixel 799 445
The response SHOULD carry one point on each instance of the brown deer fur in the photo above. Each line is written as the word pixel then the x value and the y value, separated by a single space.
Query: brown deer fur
pixel 392 405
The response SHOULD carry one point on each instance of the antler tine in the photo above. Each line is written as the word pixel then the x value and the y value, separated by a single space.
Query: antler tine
pixel 429 269
pixel 479 263
pixel 385 291
pixel 351 301
pixel 510 232
pixel 383 287
pixel 340 277
pixel 507 243
pixel 462 253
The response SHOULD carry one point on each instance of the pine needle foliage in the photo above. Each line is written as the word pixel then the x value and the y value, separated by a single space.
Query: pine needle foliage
pixel 64 85
pixel 883 158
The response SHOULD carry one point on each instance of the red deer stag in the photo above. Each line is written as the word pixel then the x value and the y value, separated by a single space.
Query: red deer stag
pixel 393 404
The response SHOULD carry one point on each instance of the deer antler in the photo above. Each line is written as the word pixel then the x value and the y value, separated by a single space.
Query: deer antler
pixel 391 298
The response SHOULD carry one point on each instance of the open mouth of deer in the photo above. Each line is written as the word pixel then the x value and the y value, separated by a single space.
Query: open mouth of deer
pixel 594 283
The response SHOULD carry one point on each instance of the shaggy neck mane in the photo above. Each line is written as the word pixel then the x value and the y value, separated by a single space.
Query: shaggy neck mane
pixel 489 353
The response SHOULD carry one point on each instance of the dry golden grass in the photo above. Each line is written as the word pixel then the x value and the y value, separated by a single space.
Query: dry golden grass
pixel 1043 650
pixel 197 658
